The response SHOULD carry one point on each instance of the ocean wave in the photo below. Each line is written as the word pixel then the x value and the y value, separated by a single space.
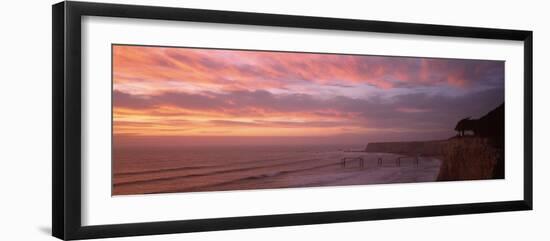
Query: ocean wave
pixel 121 183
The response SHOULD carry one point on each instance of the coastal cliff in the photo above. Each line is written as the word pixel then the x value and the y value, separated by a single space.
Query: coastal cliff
pixel 463 158
pixel 471 158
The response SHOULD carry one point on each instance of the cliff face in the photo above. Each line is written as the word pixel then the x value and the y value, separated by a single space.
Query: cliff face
pixel 491 126
pixel 463 158
pixel 479 156
pixel 470 158
pixel 427 148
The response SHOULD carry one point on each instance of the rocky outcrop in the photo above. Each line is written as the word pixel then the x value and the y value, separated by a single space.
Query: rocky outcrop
pixel 489 126
pixel 463 158
pixel 473 157
pixel 470 158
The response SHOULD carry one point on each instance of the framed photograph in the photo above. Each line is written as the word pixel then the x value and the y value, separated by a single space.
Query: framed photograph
pixel 169 120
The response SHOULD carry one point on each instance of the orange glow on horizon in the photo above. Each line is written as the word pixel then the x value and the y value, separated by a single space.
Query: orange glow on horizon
pixel 164 91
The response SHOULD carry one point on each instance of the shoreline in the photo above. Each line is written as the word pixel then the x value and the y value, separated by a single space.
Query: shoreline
pixel 462 158
pixel 292 171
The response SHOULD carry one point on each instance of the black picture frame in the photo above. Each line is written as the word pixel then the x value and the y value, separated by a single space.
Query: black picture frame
pixel 66 127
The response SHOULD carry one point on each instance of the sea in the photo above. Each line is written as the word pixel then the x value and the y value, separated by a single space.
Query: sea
pixel 148 170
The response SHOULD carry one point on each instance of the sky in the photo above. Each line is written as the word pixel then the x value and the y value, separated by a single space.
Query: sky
pixel 186 96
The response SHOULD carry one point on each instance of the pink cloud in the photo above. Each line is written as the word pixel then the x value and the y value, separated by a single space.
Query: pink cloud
pixel 250 70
